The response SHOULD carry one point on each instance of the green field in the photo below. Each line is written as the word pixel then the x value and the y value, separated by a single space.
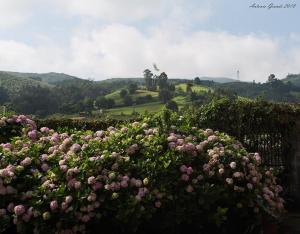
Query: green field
pixel 180 100
pixel 128 110
pixel 139 93
pixel 195 88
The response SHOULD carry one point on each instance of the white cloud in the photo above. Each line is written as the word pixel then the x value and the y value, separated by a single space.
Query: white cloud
pixel 118 50
pixel 14 12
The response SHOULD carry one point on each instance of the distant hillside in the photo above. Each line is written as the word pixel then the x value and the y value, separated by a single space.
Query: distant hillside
pixel 14 84
pixel 293 78
pixel 50 78
pixel 277 90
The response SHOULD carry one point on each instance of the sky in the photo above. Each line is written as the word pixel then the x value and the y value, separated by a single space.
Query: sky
pixel 100 39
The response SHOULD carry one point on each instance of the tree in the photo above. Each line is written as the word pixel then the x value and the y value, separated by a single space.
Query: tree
pixel 148 76
pixel 87 104
pixel 165 95
pixel 197 81
pixel 163 81
pixel 271 78
pixel 102 102
pixel 172 105
pixel 36 100
pixel 132 88
pixel 123 93
pixel 127 100
pixel 172 87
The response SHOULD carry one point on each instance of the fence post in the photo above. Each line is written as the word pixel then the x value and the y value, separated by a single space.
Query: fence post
pixel 295 162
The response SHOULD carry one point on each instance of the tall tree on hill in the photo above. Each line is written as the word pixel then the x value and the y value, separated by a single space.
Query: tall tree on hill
pixel 197 80
pixel 163 81
pixel 148 76
pixel 271 78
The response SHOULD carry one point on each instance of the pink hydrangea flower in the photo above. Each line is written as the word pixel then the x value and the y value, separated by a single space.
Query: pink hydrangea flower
pixel 232 165
pixel 257 157
pixel 45 167
pixel 85 218
pixel 229 181
pixel 26 162
pixel 92 197
pixel 19 210
pixel 250 186
pixel 77 184
pixel 138 183
pixel 212 138
pixel 97 185
pixel 91 180
pixel 32 134
pixel 45 130
pixel 75 147
pixel 68 199
pixel 53 205
pixel 189 170
pixel 189 188
pixel 185 177
pixel 124 184
pixel 172 138
pixel 183 168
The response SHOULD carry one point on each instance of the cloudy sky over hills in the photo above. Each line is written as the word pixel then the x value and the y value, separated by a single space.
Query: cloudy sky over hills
pixel 120 38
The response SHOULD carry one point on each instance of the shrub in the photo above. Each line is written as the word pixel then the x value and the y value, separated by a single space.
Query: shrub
pixel 148 175
pixel 172 105
pixel 12 126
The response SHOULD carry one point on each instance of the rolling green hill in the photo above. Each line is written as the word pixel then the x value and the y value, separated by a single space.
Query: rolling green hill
pixel 50 78
pixel 14 84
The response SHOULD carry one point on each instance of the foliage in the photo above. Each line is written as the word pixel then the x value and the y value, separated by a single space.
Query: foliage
pixel 274 90
pixel 127 100
pixel 150 175
pixel 293 78
pixel 12 126
pixel 123 93
pixel 240 116
pixel 3 95
pixel 172 105
pixel 102 102
pixel 165 95
pixel 132 87
pixel 36 100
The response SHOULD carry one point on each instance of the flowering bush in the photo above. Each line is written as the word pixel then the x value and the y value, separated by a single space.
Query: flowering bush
pixel 10 127
pixel 147 174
